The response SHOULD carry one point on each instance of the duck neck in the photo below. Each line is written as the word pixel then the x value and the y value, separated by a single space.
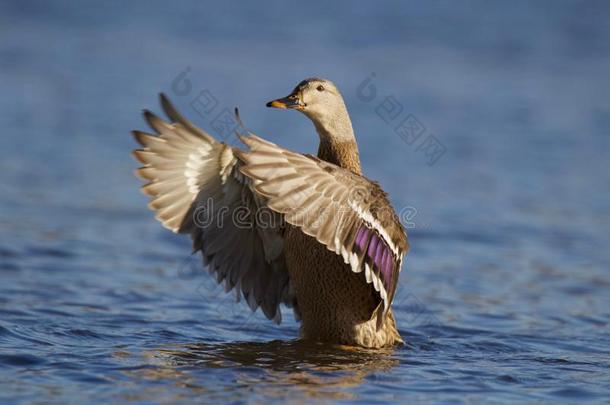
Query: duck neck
pixel 338 144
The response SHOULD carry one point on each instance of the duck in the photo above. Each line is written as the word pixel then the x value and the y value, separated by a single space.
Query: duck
pixel 282 227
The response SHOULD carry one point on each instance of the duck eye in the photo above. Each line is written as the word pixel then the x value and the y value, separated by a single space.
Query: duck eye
pixel 320 88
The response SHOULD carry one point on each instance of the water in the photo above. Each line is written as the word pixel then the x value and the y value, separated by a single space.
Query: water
pixel 503 298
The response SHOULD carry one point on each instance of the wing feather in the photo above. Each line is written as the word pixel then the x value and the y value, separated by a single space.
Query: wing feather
pixel 195 187
pixel 343 211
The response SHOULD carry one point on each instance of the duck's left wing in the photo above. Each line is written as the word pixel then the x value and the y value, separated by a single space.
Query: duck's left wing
pixel 346 212
pixel 196 188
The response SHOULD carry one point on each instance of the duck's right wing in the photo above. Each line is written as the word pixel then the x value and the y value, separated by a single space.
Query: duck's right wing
pixel 345 212
pixel 196 187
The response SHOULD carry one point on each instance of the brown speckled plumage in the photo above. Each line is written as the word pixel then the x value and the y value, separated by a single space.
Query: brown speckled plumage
pixel 336 304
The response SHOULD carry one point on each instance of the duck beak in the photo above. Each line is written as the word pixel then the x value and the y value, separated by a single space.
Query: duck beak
pixel 292 102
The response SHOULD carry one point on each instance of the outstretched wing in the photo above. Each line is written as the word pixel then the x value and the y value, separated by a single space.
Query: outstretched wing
pixel 196 187
pixel 347 213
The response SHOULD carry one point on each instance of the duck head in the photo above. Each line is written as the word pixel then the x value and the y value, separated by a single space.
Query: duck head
pixel 320 100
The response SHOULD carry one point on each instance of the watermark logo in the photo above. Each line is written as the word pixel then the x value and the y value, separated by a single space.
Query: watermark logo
pixel 412 313
pixel 223 122
pixel 404 124
pixel 208 214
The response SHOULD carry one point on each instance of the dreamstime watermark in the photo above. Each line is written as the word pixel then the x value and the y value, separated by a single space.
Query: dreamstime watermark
pixel 412 313
pixel 222 304
pixel 222 120
pixel 404 124
pixel 244 216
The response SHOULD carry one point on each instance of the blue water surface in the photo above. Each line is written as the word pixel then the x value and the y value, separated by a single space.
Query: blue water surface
pixel 505 295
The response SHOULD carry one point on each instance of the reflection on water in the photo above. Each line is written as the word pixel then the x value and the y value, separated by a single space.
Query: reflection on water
pixel 309 370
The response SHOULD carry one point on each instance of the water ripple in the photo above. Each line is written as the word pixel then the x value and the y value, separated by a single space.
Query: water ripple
pixel 503 297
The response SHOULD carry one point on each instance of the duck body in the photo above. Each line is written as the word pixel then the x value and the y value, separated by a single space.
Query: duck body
pixel 334 247
pixel 336 304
